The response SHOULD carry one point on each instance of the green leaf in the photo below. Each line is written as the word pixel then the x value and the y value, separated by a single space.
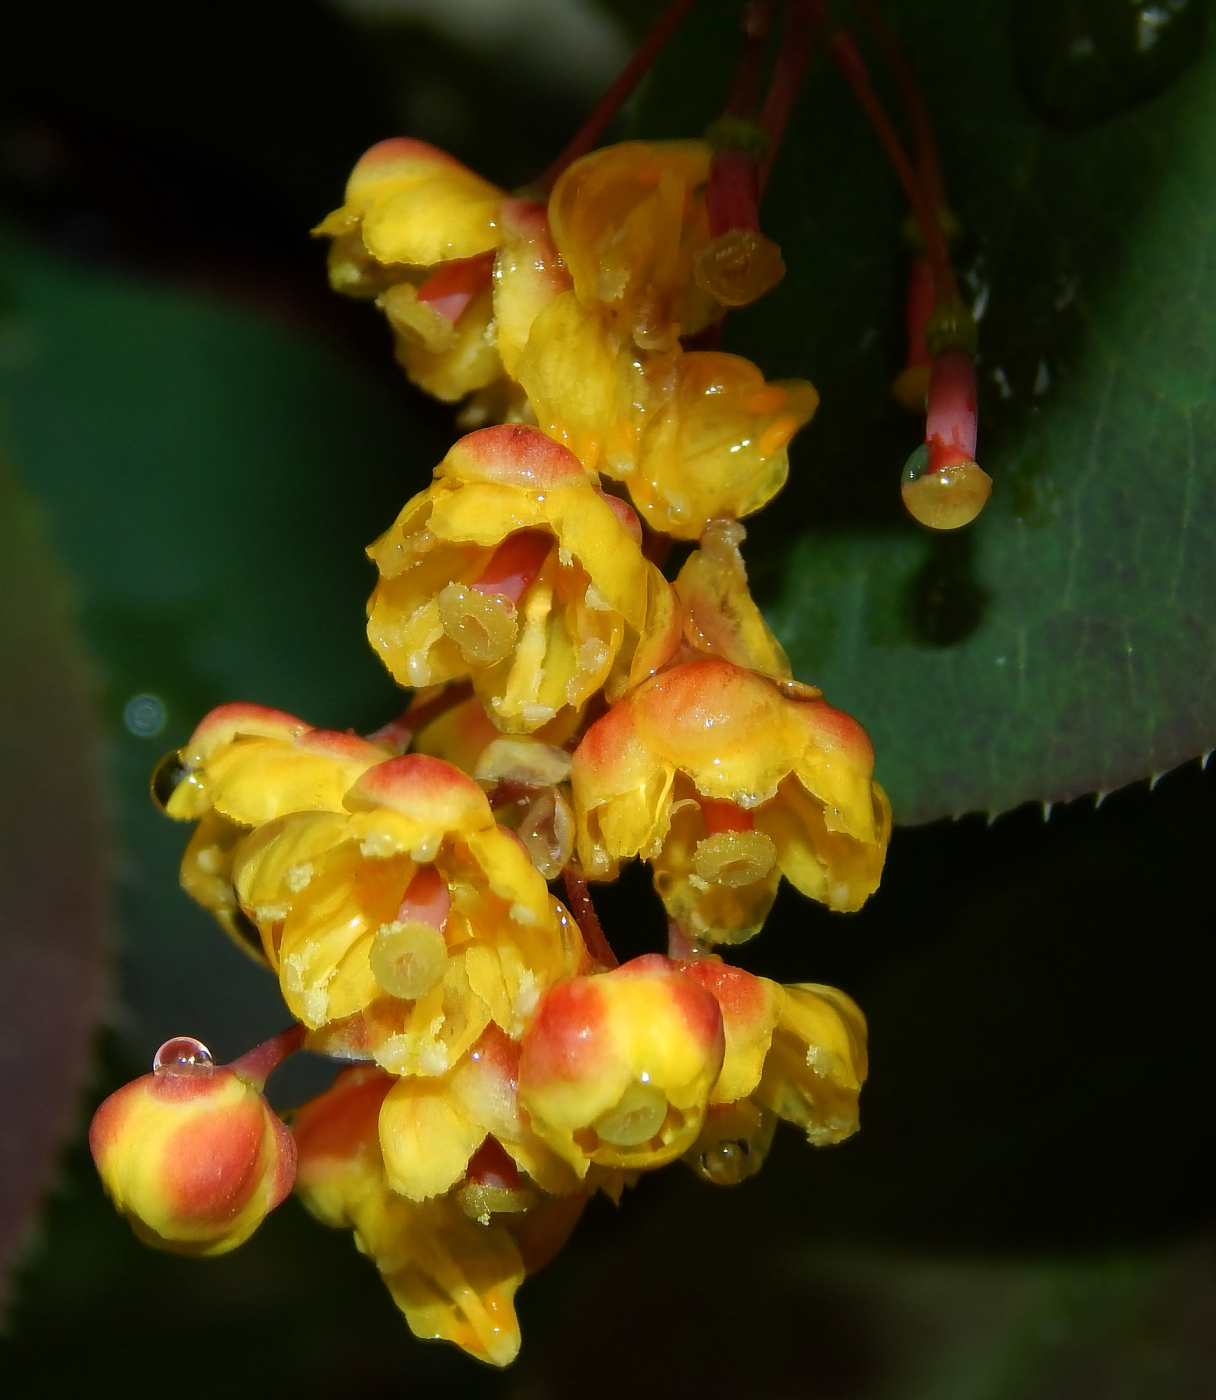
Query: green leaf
pixel 52 867
pixel 1066 643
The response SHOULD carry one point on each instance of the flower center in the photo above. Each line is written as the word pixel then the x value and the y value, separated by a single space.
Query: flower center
pixel 637 1117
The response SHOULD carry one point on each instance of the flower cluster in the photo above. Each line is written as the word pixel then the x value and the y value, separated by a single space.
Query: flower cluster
pixel 575 709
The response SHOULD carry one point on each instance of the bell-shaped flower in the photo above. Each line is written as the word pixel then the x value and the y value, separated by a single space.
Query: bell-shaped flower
pixel 418 231
pixel 192 1155
pixel 796 1052
pixel 402 926
pixel 816 1064
pixel 630 221
pixel 454 1277
pixel 515 570
pixel 726 780
pixel 693 436
pixel 712 441
pixel 616 1069
pixel 245 765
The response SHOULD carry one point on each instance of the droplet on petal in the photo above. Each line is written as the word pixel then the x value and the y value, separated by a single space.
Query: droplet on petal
pixel 946 499
pixel 482 625
pixel 408 959
pixel 166 776
pixel 182 1055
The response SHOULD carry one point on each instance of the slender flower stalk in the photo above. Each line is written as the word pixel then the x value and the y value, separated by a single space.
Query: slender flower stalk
pixel 607 107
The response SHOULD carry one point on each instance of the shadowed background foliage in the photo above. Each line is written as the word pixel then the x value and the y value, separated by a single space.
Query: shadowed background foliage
pixel 200 441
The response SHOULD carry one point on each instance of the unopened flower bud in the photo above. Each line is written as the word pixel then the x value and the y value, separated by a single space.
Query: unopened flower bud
pixel 192 1154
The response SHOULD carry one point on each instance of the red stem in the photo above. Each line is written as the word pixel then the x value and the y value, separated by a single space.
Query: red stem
pixel 399 733
pixel 257 1065
pixel 848 59
pixel 914 104
pixel 951 423
pixel 608 105
pixel 579 897
pixel 754 24
pixel 802 23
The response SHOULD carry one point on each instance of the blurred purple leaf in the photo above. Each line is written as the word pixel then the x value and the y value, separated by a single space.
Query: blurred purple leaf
pixel 52 905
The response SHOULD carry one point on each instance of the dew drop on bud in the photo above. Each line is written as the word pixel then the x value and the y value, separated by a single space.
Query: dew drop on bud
pixel 182 1055
pixel 166 777
pixel 946 499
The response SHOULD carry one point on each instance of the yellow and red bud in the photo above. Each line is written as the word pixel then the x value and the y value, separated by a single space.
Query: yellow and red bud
pixel 192 1154
pixel 616 1069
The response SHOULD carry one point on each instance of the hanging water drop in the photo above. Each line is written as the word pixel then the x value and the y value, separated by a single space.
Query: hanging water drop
pixel 166 777
pixel 946 499
pixel 182 1055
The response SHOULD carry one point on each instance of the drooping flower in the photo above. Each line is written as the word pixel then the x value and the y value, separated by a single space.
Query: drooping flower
pixel 616 1068
pixel 402 926
pixel 515 570
pixel 245 765
pixel 795 1052
pixel 453 1275
pixel 418 231
pixel 629 221
pixel 192 1155
pixel 726 780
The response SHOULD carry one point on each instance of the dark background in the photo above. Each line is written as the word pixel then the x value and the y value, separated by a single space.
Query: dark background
pixel 213 437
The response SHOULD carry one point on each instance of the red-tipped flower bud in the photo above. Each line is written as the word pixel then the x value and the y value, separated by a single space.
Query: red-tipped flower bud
pixel 192 1154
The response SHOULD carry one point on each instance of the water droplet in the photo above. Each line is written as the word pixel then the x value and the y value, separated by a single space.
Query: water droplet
pixel 1086 60
pixel 946 499
pixel 144 716
pixel 182 1055
pixel 166 776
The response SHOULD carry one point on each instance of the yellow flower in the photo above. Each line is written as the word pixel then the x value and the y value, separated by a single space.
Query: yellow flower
pixel 796 1052
pixel 616 1069
pixel 245 765
pixel 713 443
pixel 817 1062
pixel 629 221
pixel 418 231
pixel 515 570
pixel 454 1276
pixel 528 274
pixel 694 436
pixel 430 1128
pixel 402 926
pixel 193 1157
pixel 726 780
